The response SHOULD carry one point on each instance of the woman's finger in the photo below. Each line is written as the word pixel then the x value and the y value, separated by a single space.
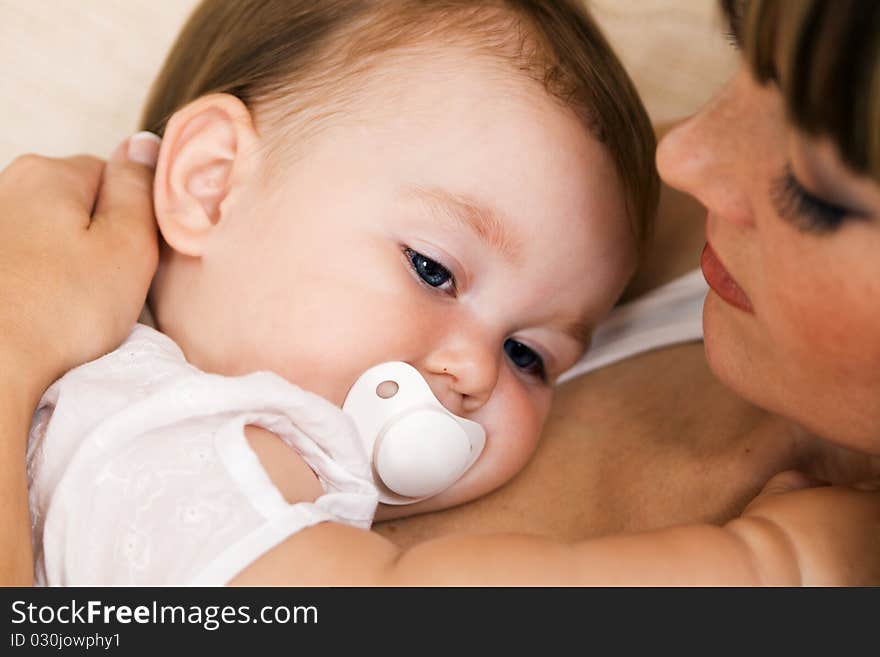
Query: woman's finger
pixel 124 207
pixel 126 193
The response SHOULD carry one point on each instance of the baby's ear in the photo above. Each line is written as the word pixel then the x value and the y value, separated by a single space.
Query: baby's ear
pixel 208 150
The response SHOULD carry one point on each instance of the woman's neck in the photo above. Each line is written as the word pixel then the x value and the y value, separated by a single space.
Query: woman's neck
pixel 831 463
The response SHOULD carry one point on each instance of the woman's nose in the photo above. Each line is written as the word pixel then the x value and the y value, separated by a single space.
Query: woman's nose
pixel 463 370
pixel 711 154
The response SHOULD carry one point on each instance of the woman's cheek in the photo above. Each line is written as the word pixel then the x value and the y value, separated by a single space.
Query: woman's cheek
pixel 822 321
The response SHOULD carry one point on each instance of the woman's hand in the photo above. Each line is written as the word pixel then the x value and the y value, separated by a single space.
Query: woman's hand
pixel 79 248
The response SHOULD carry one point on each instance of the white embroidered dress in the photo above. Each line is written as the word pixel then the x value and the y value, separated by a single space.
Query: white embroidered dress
pixel 140 473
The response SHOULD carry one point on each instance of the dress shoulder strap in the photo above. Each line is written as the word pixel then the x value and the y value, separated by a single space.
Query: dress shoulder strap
pixel 671 314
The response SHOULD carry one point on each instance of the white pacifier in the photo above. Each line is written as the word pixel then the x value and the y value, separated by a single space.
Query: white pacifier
pixel 417 447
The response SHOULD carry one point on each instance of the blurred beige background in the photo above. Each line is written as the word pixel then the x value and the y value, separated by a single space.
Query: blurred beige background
pixel 74 73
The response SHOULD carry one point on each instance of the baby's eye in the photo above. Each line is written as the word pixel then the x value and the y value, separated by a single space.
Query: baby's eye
pixel 525 358
pixel 430 271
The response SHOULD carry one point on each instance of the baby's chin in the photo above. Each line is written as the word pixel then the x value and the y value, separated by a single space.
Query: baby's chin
pixel 499 463
pixel 436 503
pixel 475 483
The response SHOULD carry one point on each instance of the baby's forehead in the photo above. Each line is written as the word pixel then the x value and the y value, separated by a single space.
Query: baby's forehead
pixel 402 85
pixel 427 80
pixel 452 129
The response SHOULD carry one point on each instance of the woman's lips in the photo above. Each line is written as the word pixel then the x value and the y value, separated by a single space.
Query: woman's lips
pixel 722 282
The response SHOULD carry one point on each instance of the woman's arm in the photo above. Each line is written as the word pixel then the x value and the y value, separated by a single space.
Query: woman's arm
pixel 78 248
pixel 16 568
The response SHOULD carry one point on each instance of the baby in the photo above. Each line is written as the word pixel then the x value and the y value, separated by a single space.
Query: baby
pixel 463 186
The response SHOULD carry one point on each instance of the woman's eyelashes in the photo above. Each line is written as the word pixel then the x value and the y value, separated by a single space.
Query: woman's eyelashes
pixel 431 272
pixel 525 359
pixel 799 206
pixel 732 39
pixel 733 14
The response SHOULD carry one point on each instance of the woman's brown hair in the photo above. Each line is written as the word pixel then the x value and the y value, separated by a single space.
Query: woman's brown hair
pixel 825 57
pixel 304 58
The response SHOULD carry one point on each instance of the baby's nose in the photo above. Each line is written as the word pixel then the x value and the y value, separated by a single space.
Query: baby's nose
pixel 463 373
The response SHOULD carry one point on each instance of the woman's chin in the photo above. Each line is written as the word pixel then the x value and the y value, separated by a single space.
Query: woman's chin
pixel 844 415
pixel 732 356
pixel 722 349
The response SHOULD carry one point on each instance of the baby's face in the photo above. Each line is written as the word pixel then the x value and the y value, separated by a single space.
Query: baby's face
pixel 460 221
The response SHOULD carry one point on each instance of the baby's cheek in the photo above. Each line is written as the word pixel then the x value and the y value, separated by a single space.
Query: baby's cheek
pixel 517 425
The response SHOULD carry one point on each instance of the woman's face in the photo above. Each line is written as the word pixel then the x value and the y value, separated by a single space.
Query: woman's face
pixel 793 259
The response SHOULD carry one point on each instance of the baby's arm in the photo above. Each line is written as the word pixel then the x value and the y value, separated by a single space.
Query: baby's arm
pixel 332 554
pixel 814 536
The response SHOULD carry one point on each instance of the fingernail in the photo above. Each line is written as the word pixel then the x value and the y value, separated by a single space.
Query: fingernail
pixel 143 148
pixel 120 153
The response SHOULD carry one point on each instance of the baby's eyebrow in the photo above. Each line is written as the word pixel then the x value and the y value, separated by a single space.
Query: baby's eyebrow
pixel 486 222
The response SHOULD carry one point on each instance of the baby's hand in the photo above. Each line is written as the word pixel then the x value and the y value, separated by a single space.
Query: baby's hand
pixel 802 533
pixel 79 247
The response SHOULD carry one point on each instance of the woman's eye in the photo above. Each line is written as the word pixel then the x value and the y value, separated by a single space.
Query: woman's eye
pixel 525 358
pixel 430 271
pixel 809 213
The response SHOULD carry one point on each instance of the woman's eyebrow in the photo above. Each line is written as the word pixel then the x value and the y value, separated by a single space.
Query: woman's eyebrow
pixel 486 222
